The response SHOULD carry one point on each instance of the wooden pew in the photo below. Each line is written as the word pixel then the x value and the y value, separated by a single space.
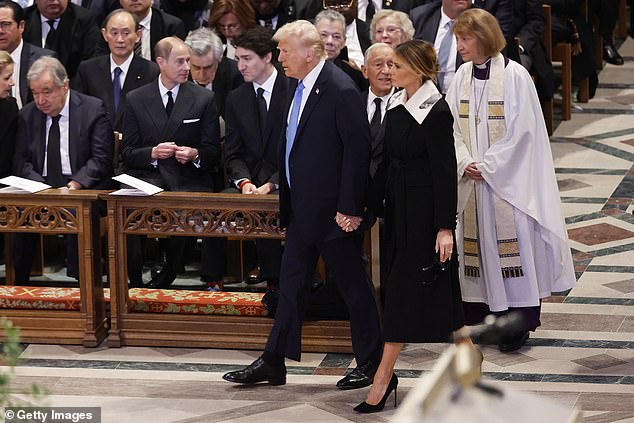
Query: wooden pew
pixel 54 212
pixel 200 215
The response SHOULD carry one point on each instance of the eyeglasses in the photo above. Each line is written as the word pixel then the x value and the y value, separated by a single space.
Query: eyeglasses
pixel 336 7
pixel 4 25
pixel 390 30
pixel 229 28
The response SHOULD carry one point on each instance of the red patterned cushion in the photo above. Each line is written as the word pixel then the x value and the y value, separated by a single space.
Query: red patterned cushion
pixel 141 299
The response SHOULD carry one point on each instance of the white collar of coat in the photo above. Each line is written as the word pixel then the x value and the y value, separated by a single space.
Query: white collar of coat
pixel 420 103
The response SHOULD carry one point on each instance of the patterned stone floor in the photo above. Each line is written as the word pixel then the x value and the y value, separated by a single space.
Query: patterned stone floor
pixel 582 355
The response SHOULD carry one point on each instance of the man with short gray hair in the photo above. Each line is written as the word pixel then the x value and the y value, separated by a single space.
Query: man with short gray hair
pixel 209 68
pixel 65 140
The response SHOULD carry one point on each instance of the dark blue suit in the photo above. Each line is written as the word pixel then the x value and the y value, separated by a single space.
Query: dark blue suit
pixel 328 167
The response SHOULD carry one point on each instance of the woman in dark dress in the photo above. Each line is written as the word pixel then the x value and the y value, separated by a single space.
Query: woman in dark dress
pixel 422 302
pixel 9 113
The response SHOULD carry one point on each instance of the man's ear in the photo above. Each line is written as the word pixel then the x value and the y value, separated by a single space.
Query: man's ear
pixel 364 71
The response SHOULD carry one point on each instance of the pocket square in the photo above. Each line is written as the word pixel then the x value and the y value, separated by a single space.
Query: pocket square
pixel 190 120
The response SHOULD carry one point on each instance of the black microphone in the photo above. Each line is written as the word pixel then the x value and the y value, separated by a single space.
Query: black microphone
pixel 494 327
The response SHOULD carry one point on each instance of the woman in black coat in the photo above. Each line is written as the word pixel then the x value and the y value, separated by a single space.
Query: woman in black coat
pixel 9 113
pixel 422 301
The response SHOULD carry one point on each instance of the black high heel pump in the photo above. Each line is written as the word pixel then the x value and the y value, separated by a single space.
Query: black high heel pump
pixel 364 407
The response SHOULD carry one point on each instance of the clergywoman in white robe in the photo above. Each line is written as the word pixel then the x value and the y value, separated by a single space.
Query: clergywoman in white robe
pixel 512 243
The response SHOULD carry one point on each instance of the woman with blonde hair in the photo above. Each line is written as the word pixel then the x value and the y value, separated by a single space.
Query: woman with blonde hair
pixel 422 295
pixel 9 113
pixel 512 243
pixel 391 27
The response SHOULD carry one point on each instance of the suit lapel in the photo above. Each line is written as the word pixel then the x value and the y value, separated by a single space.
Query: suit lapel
pixel 275 108
pixel 106 78
pixel 156 110
pixel 313 97
pixel 24 66
pixel 182 105
pixel 431 30
pixel 40 128
pixel 74 119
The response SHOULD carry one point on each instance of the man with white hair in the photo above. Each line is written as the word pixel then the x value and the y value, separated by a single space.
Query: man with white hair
pixel 209 68
pixel 65 139
pixel 324 159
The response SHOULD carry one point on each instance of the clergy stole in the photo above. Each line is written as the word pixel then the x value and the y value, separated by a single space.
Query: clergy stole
pixel 508 246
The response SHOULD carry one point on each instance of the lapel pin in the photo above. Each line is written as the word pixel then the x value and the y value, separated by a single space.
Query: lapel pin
pixel 138 77
pixel 317 91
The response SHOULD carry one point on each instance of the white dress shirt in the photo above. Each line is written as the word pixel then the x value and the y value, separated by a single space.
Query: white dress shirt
pixel 355 54
pixel 46 28
pixel 64 151
pixel 362 6
pixel 125 66
pixel 146 42
pixel 371 107
pixel 451 62
pixel 268 88
pixel 16 55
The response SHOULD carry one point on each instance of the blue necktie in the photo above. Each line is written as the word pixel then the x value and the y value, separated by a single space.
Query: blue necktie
pixel 443 54
pixel 116 87
pixel 291 129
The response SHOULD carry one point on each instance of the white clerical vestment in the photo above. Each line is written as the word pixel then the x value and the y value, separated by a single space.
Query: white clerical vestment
pixel 519 169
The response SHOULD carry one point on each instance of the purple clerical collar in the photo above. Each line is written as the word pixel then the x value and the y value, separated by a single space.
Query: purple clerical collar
pixel 483 71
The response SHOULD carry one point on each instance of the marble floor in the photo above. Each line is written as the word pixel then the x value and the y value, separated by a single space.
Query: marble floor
pixel 581 356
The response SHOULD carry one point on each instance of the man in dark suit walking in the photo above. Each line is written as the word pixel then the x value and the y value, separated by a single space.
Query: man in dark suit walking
pixel 69 30
pixel 111 77
pixel 23 54
pixel 251 149
pixel 324 159
pixel 65 140
pixel 171 137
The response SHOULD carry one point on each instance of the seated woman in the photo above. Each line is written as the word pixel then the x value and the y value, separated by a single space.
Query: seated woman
pixel 230 19
pixel 422 294
pixel 9 113
pixel 391 27
pixel 512 243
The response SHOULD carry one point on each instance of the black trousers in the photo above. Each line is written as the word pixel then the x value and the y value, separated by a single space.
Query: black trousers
pixel 343 260
pixel 24 247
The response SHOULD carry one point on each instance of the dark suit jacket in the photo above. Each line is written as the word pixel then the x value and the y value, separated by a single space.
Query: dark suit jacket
pixel 377 143
pixel 426 19
pixel 100 8
pixel 227 78
pixel 329 160
pixel 363 32
pixel 94 78
pixel 90 142
pixel 247 153
pixel 528 26
pixel 342 62
pixel 76 37
pixel 8 133
pixel 30 53
pixel 193 123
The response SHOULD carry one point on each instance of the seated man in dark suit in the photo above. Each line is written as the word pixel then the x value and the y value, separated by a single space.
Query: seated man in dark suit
pixel 209 68
pixel 332 29
pixel 251 149
pixel 65 140
pixel 274 14
pixel 70 30
pixel 23 54
pixel 111 77
pixel 528 26
pixel 171 137
pixel 155 25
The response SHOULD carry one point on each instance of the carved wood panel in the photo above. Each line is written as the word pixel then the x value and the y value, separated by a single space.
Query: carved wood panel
pixel 40 217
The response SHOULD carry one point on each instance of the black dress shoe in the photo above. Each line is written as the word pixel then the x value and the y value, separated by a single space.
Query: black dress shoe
pixel 254 276
pixel 163 279
pixel 258 371
pixel 513 342
pixel 611 55
pixel 360 377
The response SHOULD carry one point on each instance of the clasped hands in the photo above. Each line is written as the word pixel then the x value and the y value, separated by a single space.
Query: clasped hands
pixel 472 172
pixel 348 223
pixel 182 154
pixel 250 188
